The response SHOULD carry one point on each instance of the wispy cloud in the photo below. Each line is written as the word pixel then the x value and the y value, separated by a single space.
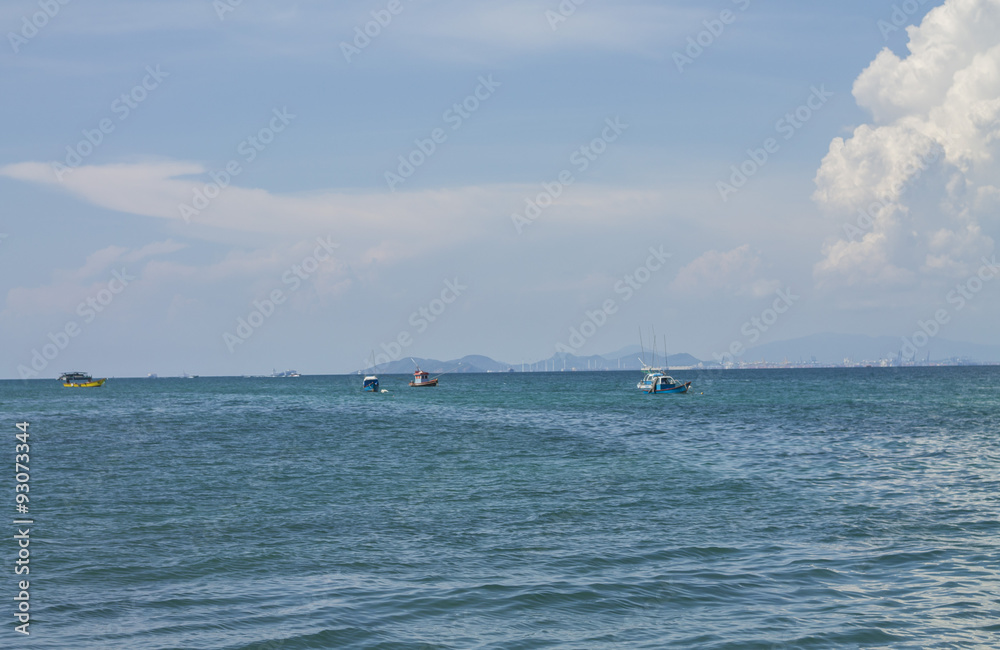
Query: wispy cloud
pixel 65 288
pixel 736 272
pixel 386 227
pixel 473 31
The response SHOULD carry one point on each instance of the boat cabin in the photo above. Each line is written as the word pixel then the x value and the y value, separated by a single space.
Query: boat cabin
pixel 422 378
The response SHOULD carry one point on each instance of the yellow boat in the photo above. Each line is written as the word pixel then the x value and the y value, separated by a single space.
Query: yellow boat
pixel 80 380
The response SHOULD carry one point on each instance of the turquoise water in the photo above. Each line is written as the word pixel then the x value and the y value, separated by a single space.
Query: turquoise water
pixel 808 508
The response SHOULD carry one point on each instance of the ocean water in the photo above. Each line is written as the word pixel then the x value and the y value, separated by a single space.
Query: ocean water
pixel 799 508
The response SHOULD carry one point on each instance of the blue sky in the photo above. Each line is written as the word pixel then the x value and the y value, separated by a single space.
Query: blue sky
pixel 212 83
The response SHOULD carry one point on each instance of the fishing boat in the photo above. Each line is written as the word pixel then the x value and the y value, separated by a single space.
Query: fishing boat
pixel 421 378
pixel 658 383
pixel 80 380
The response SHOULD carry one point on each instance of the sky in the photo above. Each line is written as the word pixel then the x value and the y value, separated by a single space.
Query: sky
pixel 226 188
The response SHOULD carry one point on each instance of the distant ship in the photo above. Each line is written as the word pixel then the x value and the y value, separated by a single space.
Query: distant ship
pixel 80 380
pixel 287 373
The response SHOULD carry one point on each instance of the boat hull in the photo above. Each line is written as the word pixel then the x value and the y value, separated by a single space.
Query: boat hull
pixel 672 390
pixel 657 382
pixel 429 382
pixel 96 383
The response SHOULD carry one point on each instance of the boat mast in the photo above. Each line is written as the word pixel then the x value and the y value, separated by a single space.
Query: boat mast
pixel 642 347
pixel 653 330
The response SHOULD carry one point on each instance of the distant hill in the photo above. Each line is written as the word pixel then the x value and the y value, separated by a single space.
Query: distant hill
pixel 821 349
pixel 832 349
pixel 634 352
pixel 629 360
pixel 469 363
pixel 627 351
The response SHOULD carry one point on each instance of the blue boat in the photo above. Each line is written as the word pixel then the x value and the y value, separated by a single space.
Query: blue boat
pixel 370 384
pixel 656 382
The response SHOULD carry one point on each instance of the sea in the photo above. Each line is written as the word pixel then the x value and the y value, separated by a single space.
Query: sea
pixel 805 508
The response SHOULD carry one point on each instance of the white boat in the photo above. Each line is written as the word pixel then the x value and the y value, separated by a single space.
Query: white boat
pixel 649 378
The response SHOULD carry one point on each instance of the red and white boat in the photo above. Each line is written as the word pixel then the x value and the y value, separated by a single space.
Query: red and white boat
pixel 421 378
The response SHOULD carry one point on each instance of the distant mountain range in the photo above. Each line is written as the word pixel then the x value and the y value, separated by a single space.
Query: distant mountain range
pixel 819 349
pixel 624 359
pixel 469 363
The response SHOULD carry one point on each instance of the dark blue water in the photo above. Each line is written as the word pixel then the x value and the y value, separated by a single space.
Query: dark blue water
pixel 805 508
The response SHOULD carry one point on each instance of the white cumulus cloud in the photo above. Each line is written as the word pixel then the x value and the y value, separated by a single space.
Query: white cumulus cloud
pixel 917 187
